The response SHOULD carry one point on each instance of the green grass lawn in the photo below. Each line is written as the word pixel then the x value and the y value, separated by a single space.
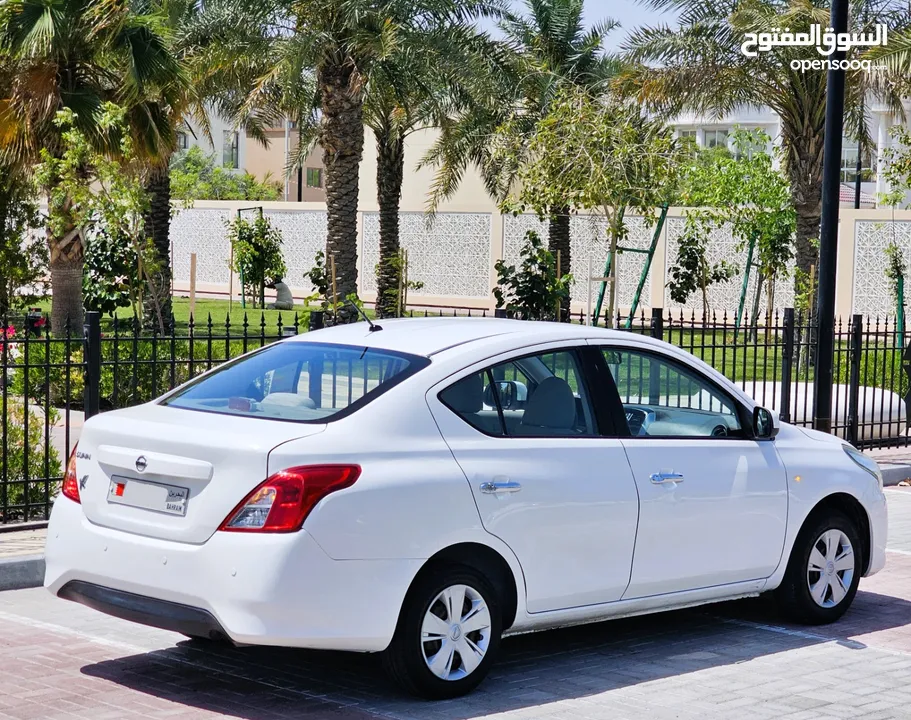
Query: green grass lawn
pixel 221 311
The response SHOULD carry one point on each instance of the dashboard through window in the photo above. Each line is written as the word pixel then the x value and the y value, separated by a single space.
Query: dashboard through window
pixel 664 399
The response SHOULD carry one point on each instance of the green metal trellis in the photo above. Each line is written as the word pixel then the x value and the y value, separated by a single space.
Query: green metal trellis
pixel 649 253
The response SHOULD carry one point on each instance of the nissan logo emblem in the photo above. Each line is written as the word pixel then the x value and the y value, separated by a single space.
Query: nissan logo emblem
pixel 141 463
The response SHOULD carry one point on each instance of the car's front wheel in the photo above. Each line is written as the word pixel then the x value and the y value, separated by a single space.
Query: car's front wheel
pixel 824 570
pixel 447 635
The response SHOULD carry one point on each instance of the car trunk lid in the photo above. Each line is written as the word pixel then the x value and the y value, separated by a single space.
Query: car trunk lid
pixel 174 474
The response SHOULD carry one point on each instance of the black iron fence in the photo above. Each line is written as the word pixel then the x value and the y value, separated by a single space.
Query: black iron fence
pixel 50 384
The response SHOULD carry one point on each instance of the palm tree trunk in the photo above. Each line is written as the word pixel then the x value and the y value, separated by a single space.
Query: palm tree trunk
pixel 66 264
pixel 157 223
pixel 342 138
pixel 390 167
pixel 558 240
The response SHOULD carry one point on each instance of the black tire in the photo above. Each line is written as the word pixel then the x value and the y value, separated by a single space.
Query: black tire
pixel 404 658
pixel 793 595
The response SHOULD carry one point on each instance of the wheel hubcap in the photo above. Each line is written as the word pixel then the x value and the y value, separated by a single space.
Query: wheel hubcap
pixel 455 633
pixel 830 570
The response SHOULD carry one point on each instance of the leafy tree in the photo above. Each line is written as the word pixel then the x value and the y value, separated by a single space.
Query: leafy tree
pixel 555 49
pixel 74 55
pixel 197 176
pixel 534 291
pixel 90 190
pixel 897 167
pixel 23 257
pixel 742 189
pixel 111 271
pixel 692 270
pixel 599 155
pixel 280 58
pixel 896 269
pixel 257 255
pixel 700 67
pixel 415 88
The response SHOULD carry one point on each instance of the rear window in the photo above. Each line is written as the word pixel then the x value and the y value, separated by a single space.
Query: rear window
pixel 299 381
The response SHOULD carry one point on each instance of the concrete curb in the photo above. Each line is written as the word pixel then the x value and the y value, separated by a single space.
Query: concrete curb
pixel 18 573
pixel 893 474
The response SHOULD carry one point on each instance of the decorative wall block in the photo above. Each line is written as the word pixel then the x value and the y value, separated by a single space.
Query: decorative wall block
pixel 205 233
pixel 450 256
pixel 303 235
pixel 724 297
pixel 588 238
pixel 872 291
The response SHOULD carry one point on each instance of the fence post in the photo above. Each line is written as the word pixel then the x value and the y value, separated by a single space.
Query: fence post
pixel 657 326
pixel 787 360
pixel 654 367
pixel 316 320
pixel 92 363
pixel 854 380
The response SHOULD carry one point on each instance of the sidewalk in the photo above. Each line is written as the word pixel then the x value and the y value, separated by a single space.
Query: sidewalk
pixel 22 559
pixel 894 462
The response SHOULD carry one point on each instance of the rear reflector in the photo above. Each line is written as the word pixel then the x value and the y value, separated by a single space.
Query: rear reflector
pixel 282 502
pixel 70 487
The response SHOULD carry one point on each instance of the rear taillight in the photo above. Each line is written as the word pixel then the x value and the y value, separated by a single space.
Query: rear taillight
pixel 70 481
pixel 283 501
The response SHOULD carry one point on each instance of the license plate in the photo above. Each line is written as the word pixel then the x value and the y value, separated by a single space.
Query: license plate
pixel 158 497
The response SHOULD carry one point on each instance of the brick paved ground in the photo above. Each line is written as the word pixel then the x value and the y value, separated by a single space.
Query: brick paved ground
pixel 734 660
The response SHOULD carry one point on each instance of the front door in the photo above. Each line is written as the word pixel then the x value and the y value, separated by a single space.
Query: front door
pixel 523 430
pixel 713 501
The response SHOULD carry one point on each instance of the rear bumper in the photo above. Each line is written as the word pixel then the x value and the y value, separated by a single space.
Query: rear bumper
pixel 269 589
pixel 147 611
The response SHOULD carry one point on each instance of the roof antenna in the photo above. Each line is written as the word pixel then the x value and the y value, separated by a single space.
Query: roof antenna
pixel 373 326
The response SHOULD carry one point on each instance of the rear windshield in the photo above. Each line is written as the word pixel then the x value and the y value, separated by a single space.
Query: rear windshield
pixel 299 381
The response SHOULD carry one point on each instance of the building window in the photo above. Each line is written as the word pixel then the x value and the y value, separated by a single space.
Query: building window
pixel 716 138
pixel 183 142
pixel 849 163
pixel 314 177
pixel 230 156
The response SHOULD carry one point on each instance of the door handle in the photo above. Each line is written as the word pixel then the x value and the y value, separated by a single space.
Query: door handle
pixel 495 488
pixel 662 478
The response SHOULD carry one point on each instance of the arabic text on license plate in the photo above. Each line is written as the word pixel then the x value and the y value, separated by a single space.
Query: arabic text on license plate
pixel 169 499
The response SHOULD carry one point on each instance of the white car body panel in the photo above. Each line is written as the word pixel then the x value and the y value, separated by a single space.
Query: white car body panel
pixel 571 537
pixel 723 523
pixel 591 491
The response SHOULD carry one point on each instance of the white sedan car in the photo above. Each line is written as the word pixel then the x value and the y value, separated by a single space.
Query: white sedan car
pixel 422 489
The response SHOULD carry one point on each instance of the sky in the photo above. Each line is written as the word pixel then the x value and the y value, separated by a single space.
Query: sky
pixel 629 13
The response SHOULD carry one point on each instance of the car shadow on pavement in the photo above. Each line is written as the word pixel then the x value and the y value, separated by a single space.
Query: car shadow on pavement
pixel 256 683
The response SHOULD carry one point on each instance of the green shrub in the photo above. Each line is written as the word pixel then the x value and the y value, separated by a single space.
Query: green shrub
pixel 25 479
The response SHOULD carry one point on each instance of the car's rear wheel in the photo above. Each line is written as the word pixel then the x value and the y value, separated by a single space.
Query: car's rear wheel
pixel 824 570
pixel 447 635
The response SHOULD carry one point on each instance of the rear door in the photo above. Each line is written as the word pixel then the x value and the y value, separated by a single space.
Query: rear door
pixel 713 500
pixel 523 430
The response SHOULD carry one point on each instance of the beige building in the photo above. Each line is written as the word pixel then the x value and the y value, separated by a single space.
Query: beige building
pixel 305 185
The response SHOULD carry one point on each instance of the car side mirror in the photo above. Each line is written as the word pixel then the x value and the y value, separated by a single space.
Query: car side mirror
pixel 765 426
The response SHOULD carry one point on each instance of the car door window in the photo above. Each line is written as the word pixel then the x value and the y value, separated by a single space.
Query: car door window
pixel 540 395
pixel 663 398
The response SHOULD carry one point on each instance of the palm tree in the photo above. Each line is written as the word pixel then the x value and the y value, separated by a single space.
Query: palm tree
pixel 76 55
pixel 289 54
pixel 700 67
pixel 556 49
pixel 413 89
